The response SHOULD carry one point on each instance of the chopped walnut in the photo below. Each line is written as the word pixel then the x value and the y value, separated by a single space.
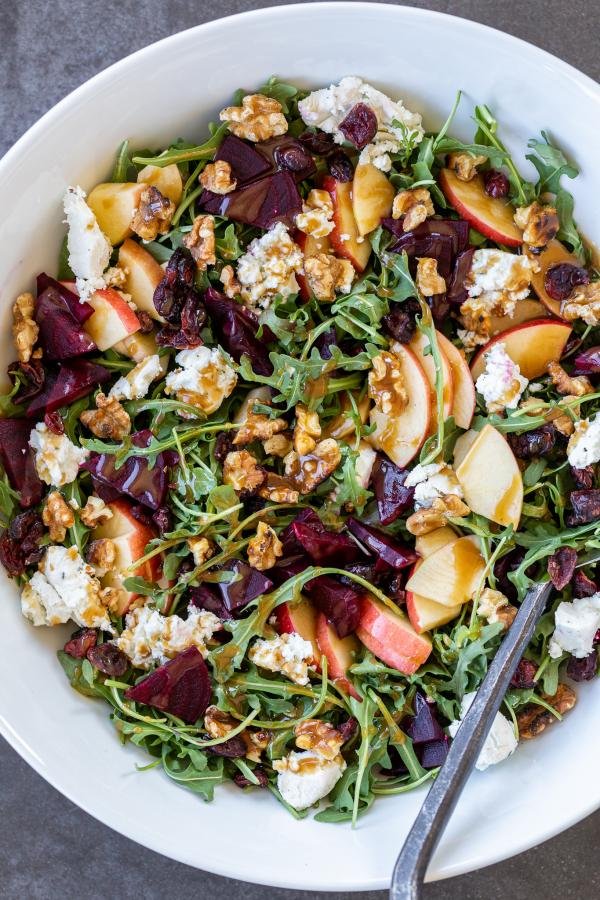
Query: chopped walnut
pixel 563 423
pixel 102 554
pixel 309 471
pixel 258 427
pixel 242 471
pixel 153 215
pixel 534 719
pixel 257 119
pixel 117 600
pixel 202 549
pixel 116 276
pixel 490 603
pixel 464 165
pixel 566 384
pixel 316 217
pixel 57 515
pixel 278 445
pixel 428 280
pixel 326 274
pixel 386 384
pixel 201 242
pixel 108 420
pixel 216 177
pixel 231 286
pixel 217 723
pixel 507 615
pixel 435 516
pixel 313 734
pixel 25 330
pixel 95 512
pixel 306 430
pixel 583 303
pixel 278 489
pixel 415 205
pixel 539 223
pixel 256 742
pixel 264 548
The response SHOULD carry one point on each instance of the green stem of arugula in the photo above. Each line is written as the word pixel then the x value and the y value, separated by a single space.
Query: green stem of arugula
pixel 495 142
pixel 426 327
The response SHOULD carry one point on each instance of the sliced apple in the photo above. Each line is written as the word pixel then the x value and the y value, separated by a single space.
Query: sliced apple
pixel 143 275
pixel 552 255
pixel 401 435
pixel 310 246
pixel 525 311
pixel 419 346
pixel 138 346
pixel 112 320
pixel 345 238
pixel 391 637
pixel 114 205
pixel 166 178
pixel 343 425
pixel 451 575
pixel 491 479
pixel 463 400
pixel 426 544
pixel 425 614
pixel 372 197
pixel 339 652
pixel 490 216
pixel 463 445
pixel 531 345
pixel 300 618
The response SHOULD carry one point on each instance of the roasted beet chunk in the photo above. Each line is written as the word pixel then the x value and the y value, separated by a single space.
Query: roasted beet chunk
pixel 108 659
pixel 318 143
pixel 245 585
pixel 424 726
pixel 80 642
pixel 340 603
pixel 307 534
pixel 206 597
pixel 19 545
pixel 360 125
pixel 586 506
pixel 61 334
pixel 433 753
pixel 18 460
pixel 457 292
pixel 587 362
pixel 134 478
pixel 538 442
pixel 31 377
pixel 180 687
pixel 236 328
pixel 65 384
pixel 388 551
pixel 391 495
pixel 560 280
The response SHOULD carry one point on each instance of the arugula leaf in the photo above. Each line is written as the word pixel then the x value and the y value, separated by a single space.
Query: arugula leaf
pixel 522 192
pixel 123 164
pixel 281 91
pixel 65 272
pixel 360 314
pixel 551 164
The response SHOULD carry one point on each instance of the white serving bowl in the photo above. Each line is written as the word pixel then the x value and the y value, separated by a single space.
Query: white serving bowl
pixel 174 88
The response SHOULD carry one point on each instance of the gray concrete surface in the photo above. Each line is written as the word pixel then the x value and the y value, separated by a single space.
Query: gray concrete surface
pixel 48 847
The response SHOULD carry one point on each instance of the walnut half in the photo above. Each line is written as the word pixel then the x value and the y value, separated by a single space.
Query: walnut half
pixel 264 548
pixel 540 223
pixel 534 719
pixel 242 471
pixel 201 242
pixel 257 119
pixel 153 215
pixel 57 515
pixel 109 420
pixel 25 330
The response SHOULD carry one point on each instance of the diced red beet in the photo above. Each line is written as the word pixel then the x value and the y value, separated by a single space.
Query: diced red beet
pixel 247 584
pixel 393 498
pixel 425 234
pixel 205 597
pixel 69 382
pixel 261 203
pixel 287 153
pixel 434 753
pixel 134 478
pixel 237 328
pixel 359 126
pixel 80 311
pixel 247 164
pixel 340 603
pixel 180 687
pixel 424 726
pixel 588 362
pixel 18 461
pixel 457 293
pixel 388 551
pixel 288 567
pixel 61 334
pixel 108 659
pixel 308 534
pixel 80 642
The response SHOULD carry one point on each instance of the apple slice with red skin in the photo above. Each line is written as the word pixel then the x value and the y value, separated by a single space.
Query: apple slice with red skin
pixel 401 435
pixel 391 637
pixel 345 237
pixel 463 399
pixel 339 653
pixel 531 346
pixel 419 345
pixel 310 246
pixel 491 478
pixel 372 197
pixel 451 574
pixel 112 320
pixel 525 311
pixel 553 254
pixel 425 614
pixel 300 618
pixel 143 275
pixel 489 215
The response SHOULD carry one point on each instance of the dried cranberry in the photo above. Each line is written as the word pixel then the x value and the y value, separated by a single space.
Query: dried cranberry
pixel 223 446
pixel 295 159
pixel 253 504
pixel 31 375
pixel 146 323
pixel 163 519
pixel 496 184
pixel 538 442
pixel 19 545
pixel 319 143
pixel 348 729
pixel 506 565
pixel 583 669
pixel 108 659
pixel 141 514
pixel 524 677
pixel 439 306
pixel 586 506
pixel 340 166
pixel 80 642
pixel 401 321
pixel 240 779
pixel 234 748
pixel 560 280
pixel 583 586
pixel 360 125
pixel 54 423
pixel 325 342
pixel 587 362
pixel 584 478
pixel 177 301
pixel 561 566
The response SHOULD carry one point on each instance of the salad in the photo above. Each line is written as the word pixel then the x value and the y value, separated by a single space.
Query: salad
pixel 300 416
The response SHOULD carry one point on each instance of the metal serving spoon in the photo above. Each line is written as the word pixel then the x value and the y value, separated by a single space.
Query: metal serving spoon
pixel 411 865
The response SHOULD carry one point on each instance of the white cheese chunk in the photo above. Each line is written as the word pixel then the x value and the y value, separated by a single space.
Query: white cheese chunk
pixel 431 482
pixel 204 378
pixel 136 383
pixel 499 276
pixel 287 653
pixel 500 742
pixel 584 444
pixel 269 267
pixel 575 628
pixel 501 384
pixel 57 459
pixel 305 778
pixel 89 249
pixel 149 637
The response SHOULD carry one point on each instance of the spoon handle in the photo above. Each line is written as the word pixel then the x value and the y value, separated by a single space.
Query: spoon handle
pixel 411 865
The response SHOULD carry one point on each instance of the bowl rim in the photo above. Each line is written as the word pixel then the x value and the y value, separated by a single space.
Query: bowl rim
pixel 581 81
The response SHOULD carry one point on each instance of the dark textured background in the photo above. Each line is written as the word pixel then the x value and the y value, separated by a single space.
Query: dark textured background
pixel 48 847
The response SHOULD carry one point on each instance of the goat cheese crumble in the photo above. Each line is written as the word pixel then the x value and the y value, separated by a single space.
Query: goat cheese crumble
pixel 89 248
pixel 500 279
pixel 204 380
pixel 136 383
pixel 397 126
pixel 584 444
pixel 575 627
pixel 306 777
pixel 431 482
pixel 286 653
pixel 269 267
pixel 500 742
pixel 63 588
pixel 57 459
pixel 149 637
pixel 502 384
